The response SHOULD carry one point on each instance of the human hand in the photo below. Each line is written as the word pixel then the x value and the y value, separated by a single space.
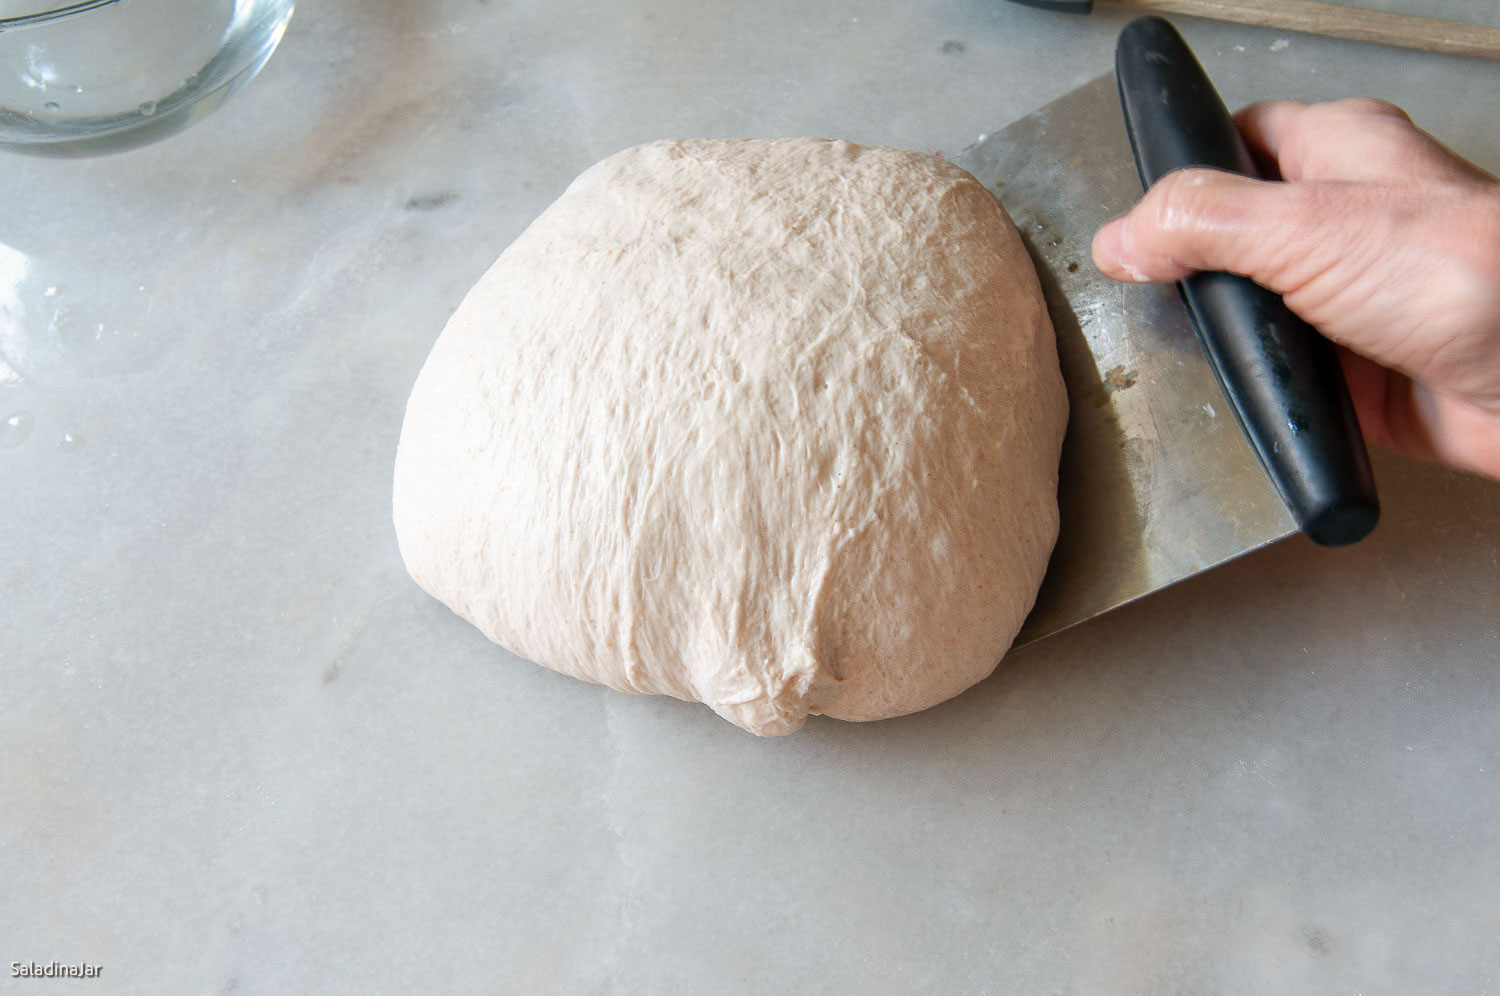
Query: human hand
pixel 1381 238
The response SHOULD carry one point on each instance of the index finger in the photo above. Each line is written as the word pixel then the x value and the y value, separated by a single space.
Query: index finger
pixel 1357 139
pixel 1265 125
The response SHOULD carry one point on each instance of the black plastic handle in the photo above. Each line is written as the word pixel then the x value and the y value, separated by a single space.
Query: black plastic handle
pixel 1281 377
pixel 1065 6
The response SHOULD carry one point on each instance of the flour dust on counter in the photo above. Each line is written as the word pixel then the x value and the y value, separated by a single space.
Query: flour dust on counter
pixel 768 424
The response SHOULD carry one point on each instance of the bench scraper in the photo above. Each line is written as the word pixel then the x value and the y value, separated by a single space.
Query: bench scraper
pixel 1158 480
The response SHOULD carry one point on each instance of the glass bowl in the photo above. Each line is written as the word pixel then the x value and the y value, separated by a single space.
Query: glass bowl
pixel 94 76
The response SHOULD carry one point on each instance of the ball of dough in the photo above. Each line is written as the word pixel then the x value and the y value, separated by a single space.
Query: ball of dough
pixel 768 424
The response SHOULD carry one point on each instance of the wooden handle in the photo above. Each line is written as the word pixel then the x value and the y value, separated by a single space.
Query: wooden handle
pixel 1340 21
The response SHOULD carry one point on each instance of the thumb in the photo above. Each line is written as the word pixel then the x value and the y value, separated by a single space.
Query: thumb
pixel 1278 234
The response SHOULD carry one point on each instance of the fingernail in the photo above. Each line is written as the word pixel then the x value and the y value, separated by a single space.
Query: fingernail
pixel 1109 251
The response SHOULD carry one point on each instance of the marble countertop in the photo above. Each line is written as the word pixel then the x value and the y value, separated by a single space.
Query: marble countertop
pixel 241 752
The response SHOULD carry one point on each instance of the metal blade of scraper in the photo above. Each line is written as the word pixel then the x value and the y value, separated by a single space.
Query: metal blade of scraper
pixel 1157 481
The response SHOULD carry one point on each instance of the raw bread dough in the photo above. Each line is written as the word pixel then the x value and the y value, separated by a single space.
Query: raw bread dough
pixel 769 424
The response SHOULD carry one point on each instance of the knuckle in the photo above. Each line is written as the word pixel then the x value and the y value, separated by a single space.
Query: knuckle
pixel 1180 200
pixel 1370 107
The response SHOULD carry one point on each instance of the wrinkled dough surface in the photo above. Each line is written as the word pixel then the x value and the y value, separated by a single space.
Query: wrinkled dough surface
pixel 768 424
